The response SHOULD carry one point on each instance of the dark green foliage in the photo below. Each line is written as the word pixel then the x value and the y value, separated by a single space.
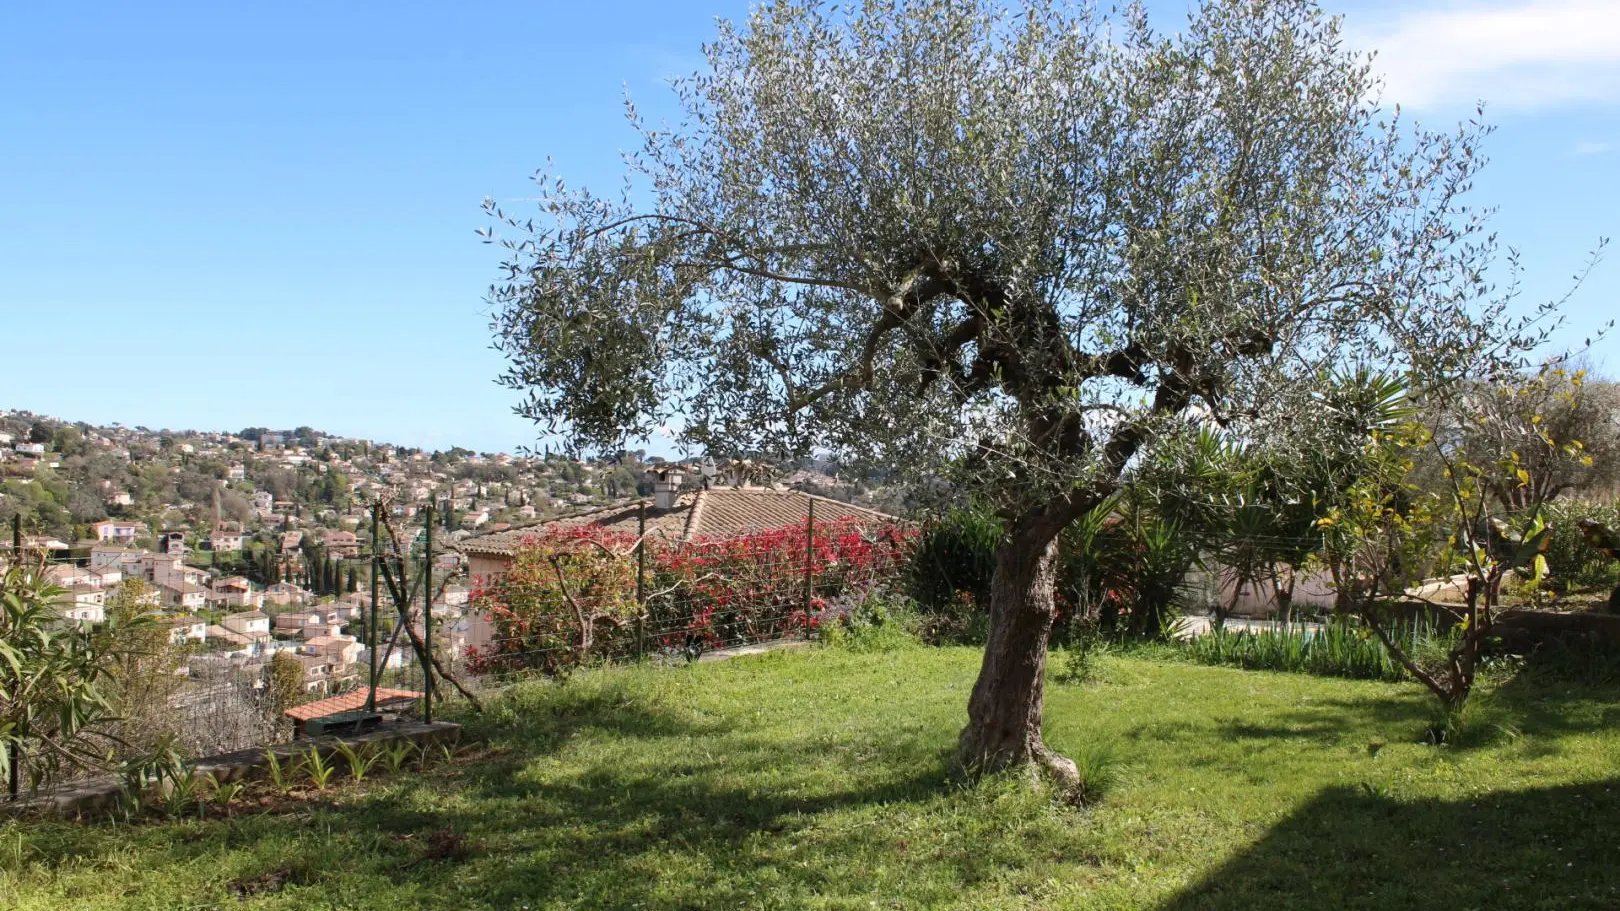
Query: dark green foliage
pixel 1572 562
pixel 951 571
pixel 1121 573
pixel 1585 660
pixel 1144 562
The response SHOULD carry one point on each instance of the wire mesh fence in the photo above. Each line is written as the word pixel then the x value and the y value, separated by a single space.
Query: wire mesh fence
pixel 238 671
pixel 572 597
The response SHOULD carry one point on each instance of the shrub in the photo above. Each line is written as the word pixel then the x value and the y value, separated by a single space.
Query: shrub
pixel 1140 565
pixel 879 624
pixel 57 681
pixel 559 586
pixel 569 596
pixel 1572 563
pixel 950 572
pixel 1124 574
pixel 1580 659
pixel 1080 656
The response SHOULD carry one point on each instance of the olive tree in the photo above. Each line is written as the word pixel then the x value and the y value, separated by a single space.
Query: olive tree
pixel 1038 244
pixel 1561 429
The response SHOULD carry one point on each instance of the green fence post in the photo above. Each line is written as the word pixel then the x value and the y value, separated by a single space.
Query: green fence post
pixel 14 757
pixel 427 620
pixel 641 582
pixel 371 638
pixel 809 564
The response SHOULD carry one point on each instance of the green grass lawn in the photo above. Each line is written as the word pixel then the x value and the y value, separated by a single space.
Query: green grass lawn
pixel 819 779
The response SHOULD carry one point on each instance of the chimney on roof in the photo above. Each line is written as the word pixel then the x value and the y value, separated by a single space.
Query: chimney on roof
pixel 666 487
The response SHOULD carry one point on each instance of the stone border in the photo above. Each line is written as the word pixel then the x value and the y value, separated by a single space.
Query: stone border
pixel 98 796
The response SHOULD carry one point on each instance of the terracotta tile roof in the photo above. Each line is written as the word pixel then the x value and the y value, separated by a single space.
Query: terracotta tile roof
pixel 724 512
pixel 347 702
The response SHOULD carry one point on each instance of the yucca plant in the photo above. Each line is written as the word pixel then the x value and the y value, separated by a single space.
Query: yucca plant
pixel 225 792
pixel 282 776
pixel 181 792
pixel 360 761
pixel 397 754
pixel 320 770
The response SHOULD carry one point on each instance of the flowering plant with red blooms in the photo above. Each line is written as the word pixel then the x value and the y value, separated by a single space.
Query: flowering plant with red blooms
pixel 559 583
pixel 710 592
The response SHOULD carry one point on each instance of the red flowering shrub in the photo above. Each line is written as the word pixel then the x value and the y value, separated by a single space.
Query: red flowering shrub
pixel 559 588
pixel 570 595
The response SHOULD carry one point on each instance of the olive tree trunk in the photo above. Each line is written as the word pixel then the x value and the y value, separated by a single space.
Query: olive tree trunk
pixel 1005 710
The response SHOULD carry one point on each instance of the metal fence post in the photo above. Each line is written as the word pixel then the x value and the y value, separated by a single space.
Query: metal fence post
pixel 641 582
pixel 809 564
pixel 14 751
pixel 372 637
pixel 427 620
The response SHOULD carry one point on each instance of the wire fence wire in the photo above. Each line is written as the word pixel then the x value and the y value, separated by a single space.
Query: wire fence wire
pixel 562 599
pixel 575 598
pixel 205 685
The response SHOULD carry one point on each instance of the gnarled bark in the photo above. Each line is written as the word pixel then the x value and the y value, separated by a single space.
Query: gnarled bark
pixel 1005 710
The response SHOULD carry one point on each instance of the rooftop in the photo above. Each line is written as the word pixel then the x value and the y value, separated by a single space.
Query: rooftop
pixel 705 514
pixel 347 702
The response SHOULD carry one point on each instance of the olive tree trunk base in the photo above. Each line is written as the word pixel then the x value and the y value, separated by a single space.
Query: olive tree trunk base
pixel 1005 711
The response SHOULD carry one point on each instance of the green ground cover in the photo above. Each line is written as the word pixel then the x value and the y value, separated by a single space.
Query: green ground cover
pixel 819 779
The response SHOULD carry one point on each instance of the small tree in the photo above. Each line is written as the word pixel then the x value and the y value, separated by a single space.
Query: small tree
pixel 1560 431
pixel 144 669
pixel 1030 243
pixel 285 684
pixel 1392 534
pixel 56 682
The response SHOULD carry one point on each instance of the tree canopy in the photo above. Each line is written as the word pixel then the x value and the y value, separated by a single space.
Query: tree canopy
pixel 1037 243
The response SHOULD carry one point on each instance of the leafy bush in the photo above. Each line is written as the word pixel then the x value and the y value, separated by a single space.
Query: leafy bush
pixel 1572 563
pixel 57 705
pixel 878 624
pixel 750 588
pixel 569 596
pixel 1125 574
pixel 1080 656
pixel 1581 659
pixel 557 589
pixel 950 572
pixel 956 552
pixel 1145 563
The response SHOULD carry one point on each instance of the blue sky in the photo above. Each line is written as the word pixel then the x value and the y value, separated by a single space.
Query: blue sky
pixel 213 216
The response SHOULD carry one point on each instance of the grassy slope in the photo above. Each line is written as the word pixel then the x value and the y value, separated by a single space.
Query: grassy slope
pixel 818 780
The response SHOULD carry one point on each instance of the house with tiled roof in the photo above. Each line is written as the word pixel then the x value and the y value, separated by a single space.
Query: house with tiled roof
pixel 710 514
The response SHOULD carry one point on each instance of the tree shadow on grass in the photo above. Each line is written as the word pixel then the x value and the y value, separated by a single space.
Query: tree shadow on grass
pixel 1324 720
pixel 625 838
pixel 715 827
pixel 1543 848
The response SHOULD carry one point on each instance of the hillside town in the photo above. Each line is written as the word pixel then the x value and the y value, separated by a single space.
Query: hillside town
pixel 252 544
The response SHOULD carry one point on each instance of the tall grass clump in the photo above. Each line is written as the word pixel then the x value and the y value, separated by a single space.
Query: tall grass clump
pixel 1337 649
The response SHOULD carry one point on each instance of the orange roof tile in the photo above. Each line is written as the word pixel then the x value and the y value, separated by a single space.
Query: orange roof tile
pixel 348 702
pixel 722 512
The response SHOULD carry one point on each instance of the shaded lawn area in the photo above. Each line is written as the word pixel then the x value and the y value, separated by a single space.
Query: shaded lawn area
pixel 818 779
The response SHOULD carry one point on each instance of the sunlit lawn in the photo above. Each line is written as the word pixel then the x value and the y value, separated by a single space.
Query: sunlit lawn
pixel 818 779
